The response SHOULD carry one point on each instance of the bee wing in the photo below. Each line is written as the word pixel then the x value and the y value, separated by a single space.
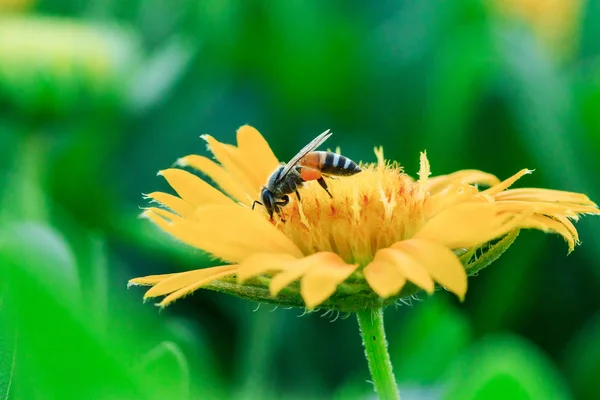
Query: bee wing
pixel 316 142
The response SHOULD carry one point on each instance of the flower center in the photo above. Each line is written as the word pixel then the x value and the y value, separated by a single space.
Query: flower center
pixel 369 211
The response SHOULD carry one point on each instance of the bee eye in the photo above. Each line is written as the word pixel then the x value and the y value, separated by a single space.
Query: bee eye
pixel 266 198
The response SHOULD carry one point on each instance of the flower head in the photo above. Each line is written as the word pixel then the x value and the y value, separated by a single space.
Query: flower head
pixel 383 235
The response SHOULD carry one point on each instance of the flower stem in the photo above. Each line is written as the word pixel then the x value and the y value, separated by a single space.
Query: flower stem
pixel 373 334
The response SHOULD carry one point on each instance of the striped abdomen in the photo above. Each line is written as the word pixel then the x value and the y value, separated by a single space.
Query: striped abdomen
pixel 330 163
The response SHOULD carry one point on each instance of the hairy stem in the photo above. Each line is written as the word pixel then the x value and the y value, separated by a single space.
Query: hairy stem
pixel 373 334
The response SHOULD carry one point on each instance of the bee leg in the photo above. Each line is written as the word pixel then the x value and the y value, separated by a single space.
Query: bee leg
pixel 284 201
pixel 278 211
pixel 298 195
pixel 272 211
pixel 324 185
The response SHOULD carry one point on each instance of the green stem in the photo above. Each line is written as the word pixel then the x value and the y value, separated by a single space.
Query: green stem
pixel 373 334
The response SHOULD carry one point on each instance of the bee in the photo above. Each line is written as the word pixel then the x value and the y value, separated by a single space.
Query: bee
pixel 307 165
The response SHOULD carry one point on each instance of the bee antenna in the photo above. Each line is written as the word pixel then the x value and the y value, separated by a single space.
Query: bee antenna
pixel 255 203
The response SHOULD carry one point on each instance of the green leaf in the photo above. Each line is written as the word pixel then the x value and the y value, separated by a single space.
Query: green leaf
pixel 65 354
pixel 504 367
pixel 490 253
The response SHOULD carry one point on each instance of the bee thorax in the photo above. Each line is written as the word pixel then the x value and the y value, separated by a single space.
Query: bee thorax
pixel 286 185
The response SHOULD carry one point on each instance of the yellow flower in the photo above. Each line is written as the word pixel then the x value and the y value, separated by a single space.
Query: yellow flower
pixel 382 236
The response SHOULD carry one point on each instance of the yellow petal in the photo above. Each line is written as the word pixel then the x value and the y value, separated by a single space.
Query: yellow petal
pixel 184 279
pixel 220 177
pixel 211 230
pixel 381 163
pixel 442 264
pixel 468 176
pixel 287 276
pixel 424 170
pixel 408 267
pixel 232 161
pixel 506 183
pixel 193 189
pixel 452 195
pixel 193 287
pixel 173 203
pixel 464 225
pixel 532 194
pixel 322 279
pixel 569 225
pixel 150 280
pixel 248 165
pixel 154 213
pixel 544 207
pixel 295 269
pixel 254 147
pixel 384 278
pixel 548 224
pixel 262 263
pixel 242 226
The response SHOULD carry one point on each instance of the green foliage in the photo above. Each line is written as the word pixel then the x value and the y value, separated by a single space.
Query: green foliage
pixel 97 96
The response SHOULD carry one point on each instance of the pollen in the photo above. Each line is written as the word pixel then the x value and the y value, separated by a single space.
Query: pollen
pixel 371 210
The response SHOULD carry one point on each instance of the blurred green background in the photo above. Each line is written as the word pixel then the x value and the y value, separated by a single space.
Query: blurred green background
pixel 97 96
